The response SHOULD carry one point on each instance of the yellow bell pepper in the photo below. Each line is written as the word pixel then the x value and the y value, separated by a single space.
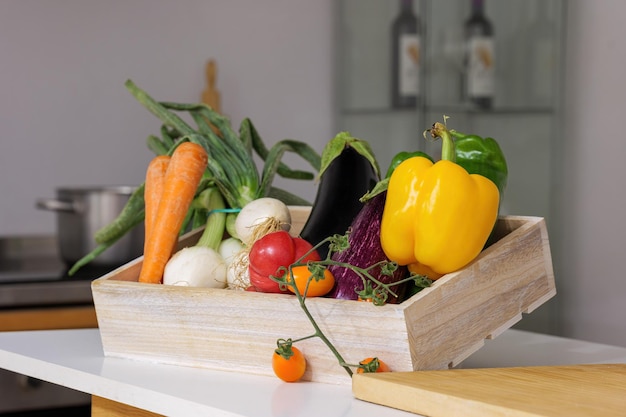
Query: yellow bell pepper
pixel 437 214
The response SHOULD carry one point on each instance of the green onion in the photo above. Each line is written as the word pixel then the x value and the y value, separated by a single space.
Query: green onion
pixel 212 202
pixel 231 168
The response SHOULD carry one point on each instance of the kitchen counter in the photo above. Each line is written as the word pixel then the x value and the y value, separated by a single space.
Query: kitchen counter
pixel 74 358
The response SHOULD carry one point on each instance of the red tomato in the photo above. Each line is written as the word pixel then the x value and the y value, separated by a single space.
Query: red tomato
pixel 289 370
pixel 272 251
pixel 301 275
pixel 267 255
pixel 263 283
pixel 382 366
pixel 301 247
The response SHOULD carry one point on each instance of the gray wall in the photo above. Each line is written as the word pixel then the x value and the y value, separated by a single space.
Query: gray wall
pixel 66 118
pixel 70 121
pixel 592 202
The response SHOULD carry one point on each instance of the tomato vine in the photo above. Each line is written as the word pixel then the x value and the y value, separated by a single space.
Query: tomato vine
pixel 374 290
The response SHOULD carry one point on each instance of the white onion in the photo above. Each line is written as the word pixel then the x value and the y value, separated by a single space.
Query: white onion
pixel 232 250
pixel 196 266
pixel 229 248
pixel 259 213
pixel 237 276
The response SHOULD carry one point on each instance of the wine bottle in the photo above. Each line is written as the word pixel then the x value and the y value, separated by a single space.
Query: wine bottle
pixel 405 63
pixel 479 62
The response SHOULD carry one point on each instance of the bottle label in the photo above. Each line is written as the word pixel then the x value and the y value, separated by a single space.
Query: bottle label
pixel 409 64
pixel 480 67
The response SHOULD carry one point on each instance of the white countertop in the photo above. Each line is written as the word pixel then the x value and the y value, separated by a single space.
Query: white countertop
pixel 74 358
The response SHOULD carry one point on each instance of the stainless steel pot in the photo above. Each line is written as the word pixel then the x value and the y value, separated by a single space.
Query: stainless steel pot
pixel 81 211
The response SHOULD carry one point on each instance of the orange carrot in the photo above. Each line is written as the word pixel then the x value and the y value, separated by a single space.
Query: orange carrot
pixel 155 178
pixel 183 175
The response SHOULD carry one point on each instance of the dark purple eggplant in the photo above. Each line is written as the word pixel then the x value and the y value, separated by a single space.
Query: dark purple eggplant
pixel 348 171
pixel 364 251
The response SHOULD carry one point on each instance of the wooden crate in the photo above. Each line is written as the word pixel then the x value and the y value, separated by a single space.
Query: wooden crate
pixel 237 331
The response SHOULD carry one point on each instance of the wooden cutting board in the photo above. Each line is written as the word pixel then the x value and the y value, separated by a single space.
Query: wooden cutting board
pixel 576 390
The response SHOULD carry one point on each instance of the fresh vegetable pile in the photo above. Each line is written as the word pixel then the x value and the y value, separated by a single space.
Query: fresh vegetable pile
pixel 366 239
pixel 230 168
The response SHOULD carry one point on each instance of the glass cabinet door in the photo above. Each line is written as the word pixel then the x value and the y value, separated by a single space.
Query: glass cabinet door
pixel 364 80
pixel 525 115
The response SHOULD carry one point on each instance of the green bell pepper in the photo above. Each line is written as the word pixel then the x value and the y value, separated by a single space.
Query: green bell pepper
pixel 481 156
pixel 401 157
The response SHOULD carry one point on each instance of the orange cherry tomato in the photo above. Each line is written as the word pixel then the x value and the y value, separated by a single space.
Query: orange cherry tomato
pixel 381 367
pixel 289 370
pixel 318 288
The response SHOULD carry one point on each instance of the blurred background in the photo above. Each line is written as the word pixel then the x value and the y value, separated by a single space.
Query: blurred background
pixel 308 69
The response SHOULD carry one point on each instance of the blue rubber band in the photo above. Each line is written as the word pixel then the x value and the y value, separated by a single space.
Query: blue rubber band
pixel 225 210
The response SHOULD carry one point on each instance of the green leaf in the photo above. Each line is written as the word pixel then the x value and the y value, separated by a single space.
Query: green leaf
pixel 287 197
pixel 156 145
pixel 336 146
pixel 251 138
pixel 275 154
pixel 380 187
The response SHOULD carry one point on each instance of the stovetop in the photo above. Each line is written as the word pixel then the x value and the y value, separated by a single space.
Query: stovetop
pixel 32 274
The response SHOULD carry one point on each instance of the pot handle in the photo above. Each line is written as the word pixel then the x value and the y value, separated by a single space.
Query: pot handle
pixel 56 205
